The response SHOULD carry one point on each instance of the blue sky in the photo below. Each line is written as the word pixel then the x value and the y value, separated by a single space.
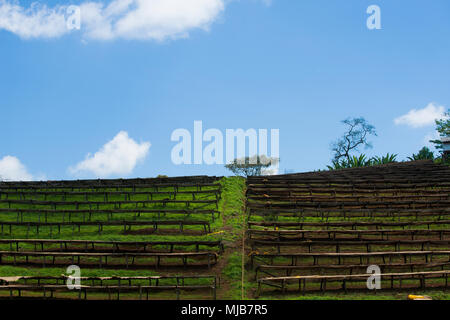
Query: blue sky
pixel 297 66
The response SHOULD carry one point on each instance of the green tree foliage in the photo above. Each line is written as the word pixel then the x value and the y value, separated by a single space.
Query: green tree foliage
pixel 352 162
pixel 423 154
pixel 388 158
pixel 358 130
pixel 251 166
pixel 443 127
pixel 362 161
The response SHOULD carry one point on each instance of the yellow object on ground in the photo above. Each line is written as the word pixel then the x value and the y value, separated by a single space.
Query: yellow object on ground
pixel 414 297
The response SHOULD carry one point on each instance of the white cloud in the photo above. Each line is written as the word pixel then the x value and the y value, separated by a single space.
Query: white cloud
pixel 421 117
pixel 37 21
pixel 117 157
pixel 127 19
pixel 11 169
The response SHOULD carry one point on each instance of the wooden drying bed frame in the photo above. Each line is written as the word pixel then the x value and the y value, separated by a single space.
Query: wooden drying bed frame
pixel 332 191
pixel 348 185
pixel 408 204
pixel 90 212
pixel 101 224
pixel 103 258
pixel 107 194
pixel 90 245
pixel 345 279
pixel 344 269
pixel 111 182
pixel 50 285
pixel 117 204
pixel 352 224
pixel 356 234
pixel 368 244
pixel 349 213
pixel 294 257
pixel 363 199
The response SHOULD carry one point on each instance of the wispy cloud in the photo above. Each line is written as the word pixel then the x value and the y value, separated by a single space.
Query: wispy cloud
pixel 106 20
pixel 117 157
pixel 417 118
pixel 37 21
pixel 11 169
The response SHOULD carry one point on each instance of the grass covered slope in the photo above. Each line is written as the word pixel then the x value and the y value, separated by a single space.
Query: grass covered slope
pixel 118 233
pixel 233 228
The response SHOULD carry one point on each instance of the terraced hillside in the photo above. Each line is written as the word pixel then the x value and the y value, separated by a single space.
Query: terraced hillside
pixel 156 238
pixel 304 236
pixel 319 232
